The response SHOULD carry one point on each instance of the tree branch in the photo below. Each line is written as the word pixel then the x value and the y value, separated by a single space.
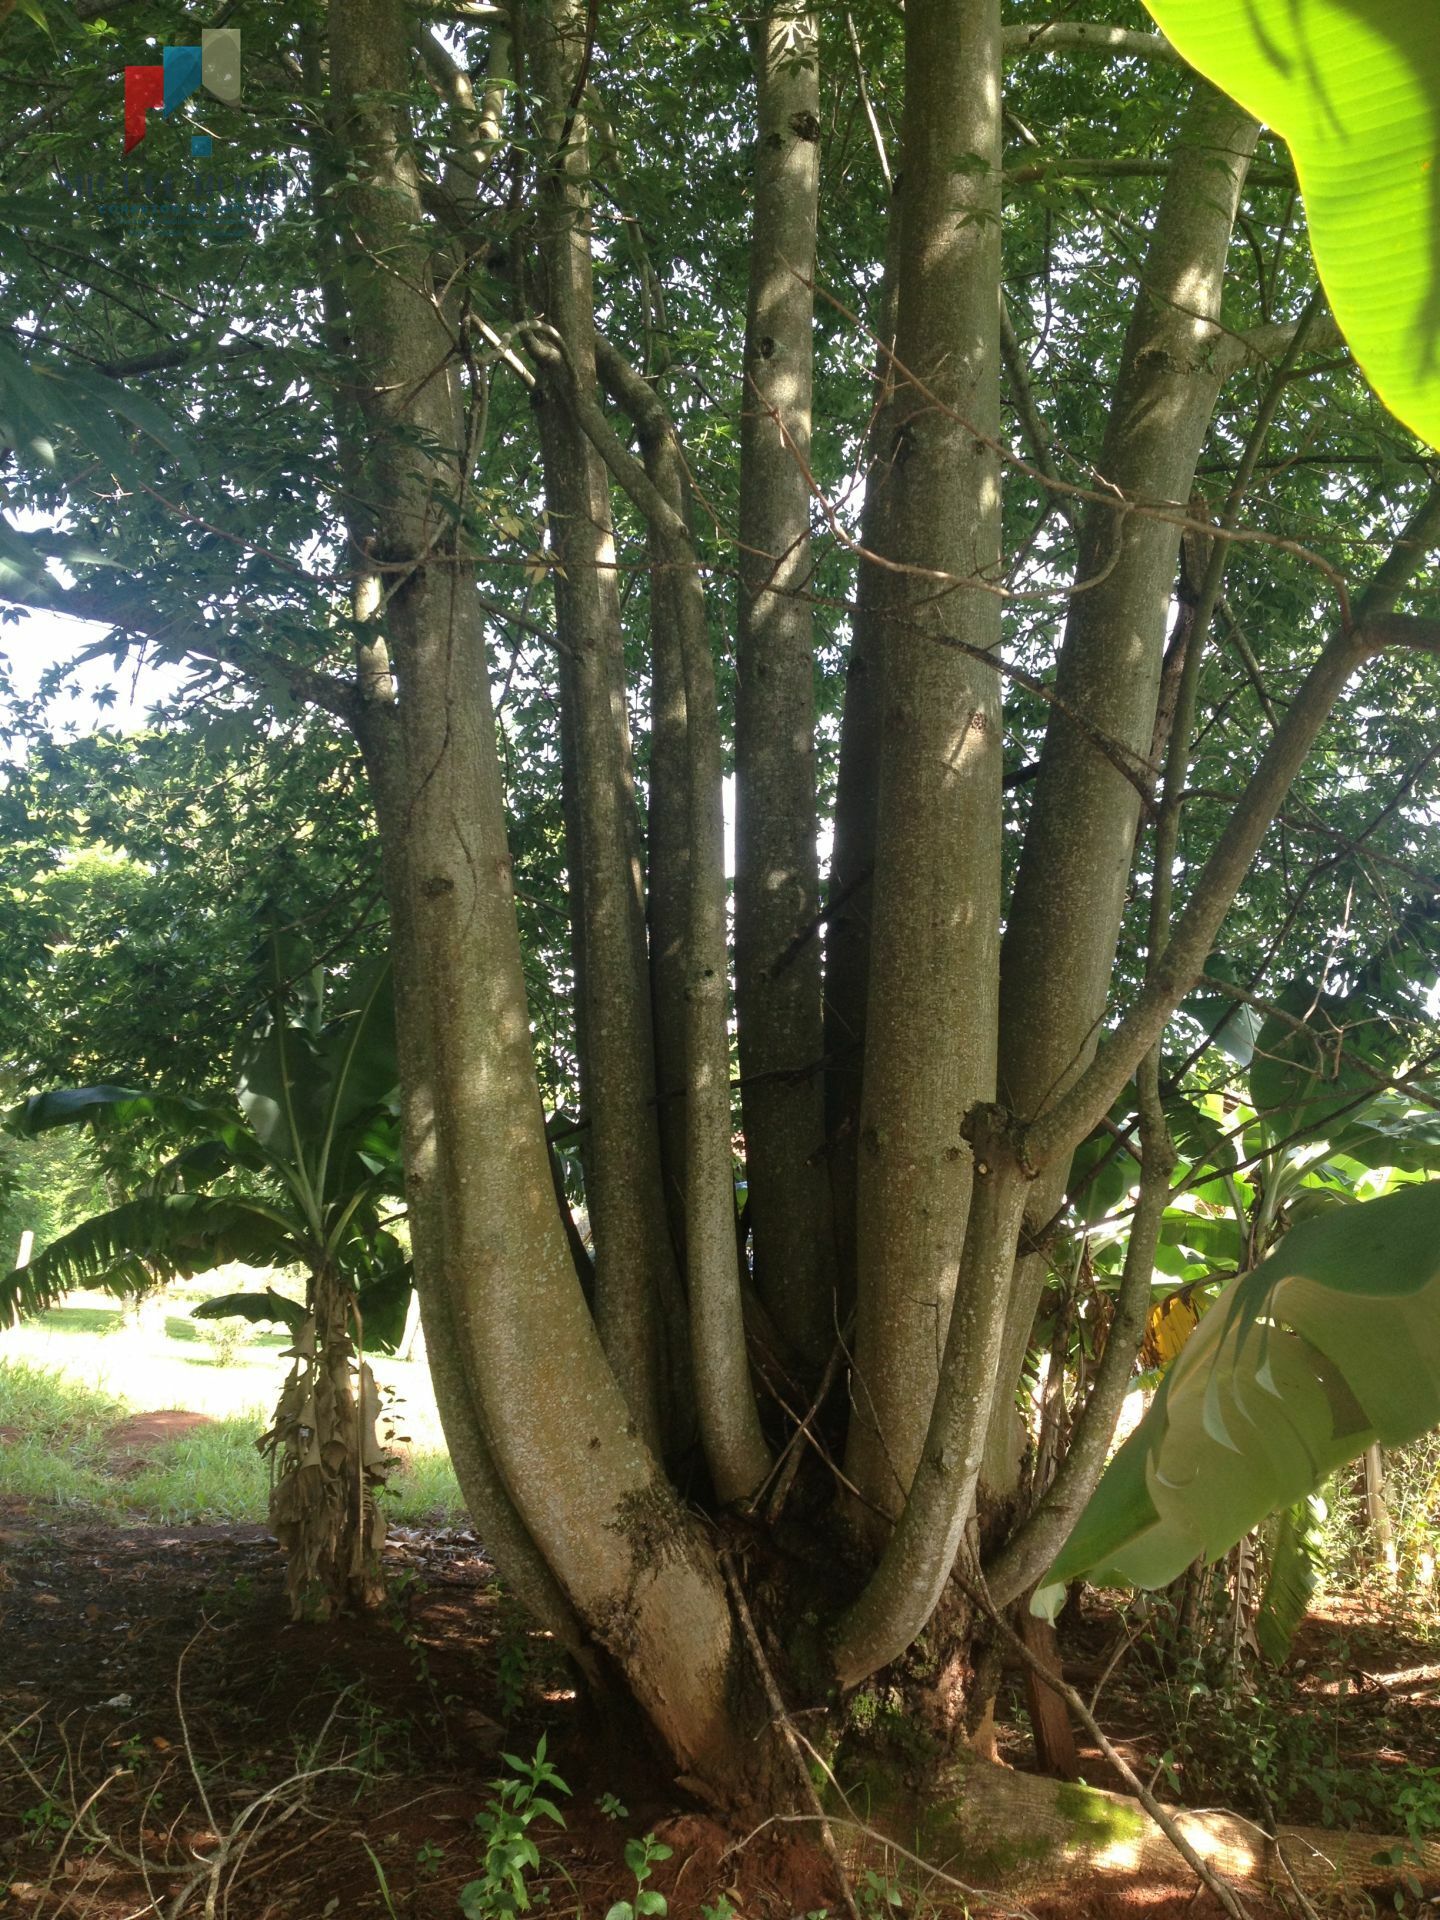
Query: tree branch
pixel 735 1449
pixel 1085 36
pixel 257 664
pixel 1060 1128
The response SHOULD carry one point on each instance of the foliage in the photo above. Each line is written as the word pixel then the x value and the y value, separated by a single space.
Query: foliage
pixel 303 1162
pixel 642 1856
pixel 1277 1743
pixel 312 1118
pixel 519 1798
pixel 1289 1375
pixel 1296 1574
pixel 139 869
pixel 46 1187
pixel 1353 88
pixel 1412 1499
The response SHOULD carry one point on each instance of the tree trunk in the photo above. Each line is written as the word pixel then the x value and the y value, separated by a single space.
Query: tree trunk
pixel 585 1487
pixel 1070 887
pixel 634 1260
pixel 735 1449
pixel 777 887
pixel 850 896
pixel 930 1024
pixel 1377 1508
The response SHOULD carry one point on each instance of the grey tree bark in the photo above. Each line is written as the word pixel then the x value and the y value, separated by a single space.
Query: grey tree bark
pixel 850 895
pixel 634 1260
pixel 1070 887
pixel 777 886
pixel 585 1487
pixel 936 890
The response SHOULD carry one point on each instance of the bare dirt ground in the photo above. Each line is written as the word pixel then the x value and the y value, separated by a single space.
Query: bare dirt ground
pixel 176 1747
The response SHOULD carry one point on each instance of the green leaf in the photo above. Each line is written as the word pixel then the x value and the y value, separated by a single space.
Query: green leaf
pixel 139 410
pixel 1389 1132
pixel 356 1057
pixel 158 1237
pixel 1291 1373
pixel 1354 88
pixel 20 559
pixel 32 10
pixel 260 1309
pixel 1297 1568
pixel 106 1106
pixel 281 1096
pixel 384 1303
pixel 40 394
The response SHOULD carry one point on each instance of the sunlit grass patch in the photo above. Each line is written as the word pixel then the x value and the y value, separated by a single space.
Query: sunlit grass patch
pixel 54 1449
pixel 211 1474
pixel 47 1404
pixel 424 1491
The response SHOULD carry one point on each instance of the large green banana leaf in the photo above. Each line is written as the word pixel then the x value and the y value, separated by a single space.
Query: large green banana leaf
pixel 303 1092
pixel 157 1237
pixel 1332 1342
pixel 1354 87
pixel 107 1105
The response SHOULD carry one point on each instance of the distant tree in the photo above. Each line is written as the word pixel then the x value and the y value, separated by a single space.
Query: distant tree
pixel 144 873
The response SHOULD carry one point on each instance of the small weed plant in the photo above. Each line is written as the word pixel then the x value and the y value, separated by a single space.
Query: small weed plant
pixel 519 1798
pixel 514 1661
pixel 46 1816
pixel 642 1856
pixel 876 1895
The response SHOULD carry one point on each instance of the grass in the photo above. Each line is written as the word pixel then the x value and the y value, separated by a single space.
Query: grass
pixel 68 1376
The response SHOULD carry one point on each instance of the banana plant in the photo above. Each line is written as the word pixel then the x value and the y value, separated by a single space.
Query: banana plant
pixel 305 1163
pixel 1353 86
pixel 1331 1343
pixel 1301 1251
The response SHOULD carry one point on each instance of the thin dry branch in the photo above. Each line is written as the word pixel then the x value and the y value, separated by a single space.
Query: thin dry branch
pixel 974 1585
pixel 787 1729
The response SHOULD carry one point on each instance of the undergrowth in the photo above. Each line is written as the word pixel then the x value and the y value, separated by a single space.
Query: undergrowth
pixel 1282 1743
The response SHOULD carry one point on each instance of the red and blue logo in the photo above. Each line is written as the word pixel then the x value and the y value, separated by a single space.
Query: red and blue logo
pixel 213 65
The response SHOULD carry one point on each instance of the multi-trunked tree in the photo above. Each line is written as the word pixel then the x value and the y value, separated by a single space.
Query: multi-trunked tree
pixel 922 1042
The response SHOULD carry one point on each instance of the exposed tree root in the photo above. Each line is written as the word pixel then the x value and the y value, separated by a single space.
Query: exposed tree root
pixel 1038 1837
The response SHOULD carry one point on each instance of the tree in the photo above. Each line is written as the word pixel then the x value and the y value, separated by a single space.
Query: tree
pixel 518 235
pixel 142 874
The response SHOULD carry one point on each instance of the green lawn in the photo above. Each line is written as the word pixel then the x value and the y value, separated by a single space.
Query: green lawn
pixel 69 1375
